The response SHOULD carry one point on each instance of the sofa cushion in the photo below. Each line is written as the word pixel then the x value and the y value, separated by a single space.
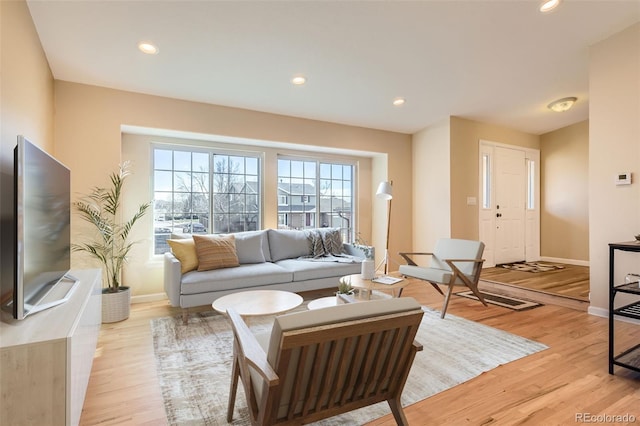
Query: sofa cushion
pixel 250 246
pixel 311 270
pixel 216 251
pixel 244 276
pixel 185 251
pixel 288 244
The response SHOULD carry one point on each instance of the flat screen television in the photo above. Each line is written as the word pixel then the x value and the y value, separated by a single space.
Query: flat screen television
pixel 42 231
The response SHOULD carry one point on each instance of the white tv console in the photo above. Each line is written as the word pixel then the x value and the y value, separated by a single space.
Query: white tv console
pixel 45 359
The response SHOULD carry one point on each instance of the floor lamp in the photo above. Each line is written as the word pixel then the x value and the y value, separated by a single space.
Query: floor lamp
pixel 385 192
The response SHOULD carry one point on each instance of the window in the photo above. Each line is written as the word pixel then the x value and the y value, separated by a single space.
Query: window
pixel 486 181
pixel 321 194
pixel 531 184
pixel 199 191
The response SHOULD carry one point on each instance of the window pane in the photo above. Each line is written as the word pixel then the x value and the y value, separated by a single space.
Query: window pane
pixel 251 166
pixel 200 162
pixel 309 169
pixel 181 160
pixel 163 181
pixel 162 159
pixel 284 168
pixel 486 181
pixel 531 185
pixel 297 169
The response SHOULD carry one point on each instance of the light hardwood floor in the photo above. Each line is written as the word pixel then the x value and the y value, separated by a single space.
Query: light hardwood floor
pixel 572 281
pixel 551 387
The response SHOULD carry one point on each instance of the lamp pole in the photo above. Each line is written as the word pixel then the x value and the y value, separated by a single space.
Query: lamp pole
pixel 385 192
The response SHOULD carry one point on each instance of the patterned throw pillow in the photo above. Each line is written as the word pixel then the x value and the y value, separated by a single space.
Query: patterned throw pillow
pixel 315 243
pixel 216 252
pixel 332 241
pixel 185 251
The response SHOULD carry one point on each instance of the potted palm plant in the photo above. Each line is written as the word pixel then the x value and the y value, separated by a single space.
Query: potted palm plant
pixel 110 243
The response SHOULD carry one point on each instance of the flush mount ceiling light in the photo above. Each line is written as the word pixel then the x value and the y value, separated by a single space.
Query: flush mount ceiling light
pixel 548 5
pixel 398 101
pixel 148 48
pixel 562 105
pixel 298 80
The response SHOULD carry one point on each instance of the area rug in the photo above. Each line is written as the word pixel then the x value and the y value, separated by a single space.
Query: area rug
pixel 501 300
pixel 194 364
pixel 531 266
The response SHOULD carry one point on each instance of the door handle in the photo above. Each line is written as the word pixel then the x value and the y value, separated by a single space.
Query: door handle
pixel 498 214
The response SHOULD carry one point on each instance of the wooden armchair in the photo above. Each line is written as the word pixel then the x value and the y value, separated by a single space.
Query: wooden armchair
pixel 321 363
pixel 453 262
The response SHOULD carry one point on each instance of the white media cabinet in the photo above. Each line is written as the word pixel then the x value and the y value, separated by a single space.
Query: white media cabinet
pixel 45 359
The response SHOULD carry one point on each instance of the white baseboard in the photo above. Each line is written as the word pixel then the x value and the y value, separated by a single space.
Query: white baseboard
pixel 598 312
pixel 565 261
pixel 148 298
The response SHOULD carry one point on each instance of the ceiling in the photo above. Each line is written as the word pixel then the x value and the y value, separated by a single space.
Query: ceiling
pixel 498 62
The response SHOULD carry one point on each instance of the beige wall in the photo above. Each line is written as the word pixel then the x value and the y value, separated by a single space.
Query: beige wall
pixel 431 186
pixel 614 146
pixel 564 182
pixel 88 138
pixel 26 108
pixel 465 136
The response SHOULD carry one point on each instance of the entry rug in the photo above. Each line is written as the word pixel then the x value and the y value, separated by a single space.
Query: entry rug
pixel 193 363
pixel 531 266
pixel 501 300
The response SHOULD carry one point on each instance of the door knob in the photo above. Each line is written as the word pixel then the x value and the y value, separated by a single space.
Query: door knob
pixel 498 214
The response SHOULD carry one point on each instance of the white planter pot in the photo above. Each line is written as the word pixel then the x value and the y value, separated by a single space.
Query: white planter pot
pixel 368 269
pixel 116 306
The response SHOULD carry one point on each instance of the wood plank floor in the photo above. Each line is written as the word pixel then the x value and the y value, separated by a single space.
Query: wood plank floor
pixel 548 388
pixel 571 281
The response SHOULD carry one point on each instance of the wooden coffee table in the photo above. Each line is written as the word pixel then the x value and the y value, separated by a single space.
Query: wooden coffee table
pixel 367 286
pixel 257 302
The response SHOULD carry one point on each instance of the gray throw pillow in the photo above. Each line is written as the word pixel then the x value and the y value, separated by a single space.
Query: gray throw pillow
pixel 315 243
pixel 332 241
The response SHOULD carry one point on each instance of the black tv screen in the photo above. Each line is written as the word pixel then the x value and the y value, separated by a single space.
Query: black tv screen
pixel 42 221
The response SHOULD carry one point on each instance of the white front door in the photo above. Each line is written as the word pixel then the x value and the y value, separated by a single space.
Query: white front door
pixel 510 188
pixel 508 213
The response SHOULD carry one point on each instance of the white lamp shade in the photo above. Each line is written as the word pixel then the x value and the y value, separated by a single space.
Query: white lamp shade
pixel 385 191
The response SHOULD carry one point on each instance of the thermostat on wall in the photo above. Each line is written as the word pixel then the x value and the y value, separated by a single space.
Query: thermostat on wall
pixel 623 178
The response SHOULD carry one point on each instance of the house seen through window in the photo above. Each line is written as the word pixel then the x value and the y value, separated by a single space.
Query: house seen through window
pixel 318 194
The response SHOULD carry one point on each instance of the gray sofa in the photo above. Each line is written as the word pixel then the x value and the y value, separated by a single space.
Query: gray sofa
pixel 269 260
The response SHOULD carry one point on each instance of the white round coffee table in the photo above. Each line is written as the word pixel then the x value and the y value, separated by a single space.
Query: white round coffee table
pixel 258 302
pixel 323 302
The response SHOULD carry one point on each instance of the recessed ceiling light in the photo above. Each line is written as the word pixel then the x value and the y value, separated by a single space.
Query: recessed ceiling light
pixel 562 105
pixel 148 48
pixel 398 101
pixel 549 5
pixel 298 80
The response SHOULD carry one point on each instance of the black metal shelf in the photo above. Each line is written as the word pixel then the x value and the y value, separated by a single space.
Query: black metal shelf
pixel 630 311
pixel 629 358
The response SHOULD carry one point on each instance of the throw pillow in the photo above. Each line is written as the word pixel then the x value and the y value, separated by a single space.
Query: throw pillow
pixel 332 241
pixel 216 252
pixel 185 251
pixel 249 246
pixel 315 243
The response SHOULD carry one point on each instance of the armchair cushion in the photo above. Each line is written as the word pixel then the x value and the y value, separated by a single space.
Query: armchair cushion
pixel 450 248
pixel 333 315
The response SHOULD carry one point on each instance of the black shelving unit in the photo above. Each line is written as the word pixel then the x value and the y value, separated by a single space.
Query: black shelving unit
pixel 629 358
